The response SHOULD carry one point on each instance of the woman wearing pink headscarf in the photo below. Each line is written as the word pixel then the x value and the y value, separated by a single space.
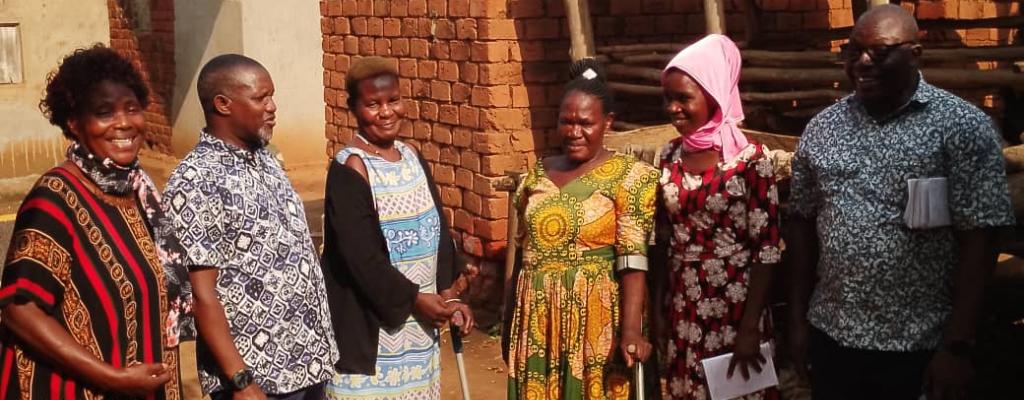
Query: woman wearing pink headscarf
pixel 720 200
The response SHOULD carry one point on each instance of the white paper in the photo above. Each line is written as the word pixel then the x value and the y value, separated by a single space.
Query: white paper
pixel 927 204
pixel 716 369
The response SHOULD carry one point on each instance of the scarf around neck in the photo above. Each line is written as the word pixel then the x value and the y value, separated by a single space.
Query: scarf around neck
pixel 714 63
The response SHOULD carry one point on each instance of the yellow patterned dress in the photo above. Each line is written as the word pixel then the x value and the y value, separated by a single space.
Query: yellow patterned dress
pixel 565 326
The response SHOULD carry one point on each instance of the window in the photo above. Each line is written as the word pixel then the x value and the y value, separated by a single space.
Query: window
pixel 10 54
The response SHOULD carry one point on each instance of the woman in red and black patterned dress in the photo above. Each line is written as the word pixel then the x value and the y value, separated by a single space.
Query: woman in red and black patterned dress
pixel 719 198
pixel 83 296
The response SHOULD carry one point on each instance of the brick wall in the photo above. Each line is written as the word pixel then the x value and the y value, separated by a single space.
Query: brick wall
pixel 483 79
pixel 149 44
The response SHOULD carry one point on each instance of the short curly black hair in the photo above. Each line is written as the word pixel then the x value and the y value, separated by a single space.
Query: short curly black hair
pixel 70 85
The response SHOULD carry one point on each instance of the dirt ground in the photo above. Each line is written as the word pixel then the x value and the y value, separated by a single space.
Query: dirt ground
pixel 485 371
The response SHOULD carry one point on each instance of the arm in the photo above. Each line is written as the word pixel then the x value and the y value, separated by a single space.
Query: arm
pixel 634 212
pixel 212 324
pixel 359 242
pixel 41 333
pixel 634 295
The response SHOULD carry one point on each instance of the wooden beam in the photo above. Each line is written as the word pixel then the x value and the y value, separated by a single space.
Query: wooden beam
pixel 814 94
pixel 581 31
pixel 714 16
pixel 804 59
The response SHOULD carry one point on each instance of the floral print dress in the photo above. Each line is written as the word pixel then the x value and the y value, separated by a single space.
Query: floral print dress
pixel 724 220
pixel 565 327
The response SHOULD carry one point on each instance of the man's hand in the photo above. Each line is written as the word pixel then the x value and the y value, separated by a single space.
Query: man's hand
pixel 431 309
pixel 462 317
pixel 746 353
pixel 140 380
pixel 947 376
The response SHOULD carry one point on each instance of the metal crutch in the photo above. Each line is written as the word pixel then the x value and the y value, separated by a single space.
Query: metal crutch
pixel 457 347
pixel 638 374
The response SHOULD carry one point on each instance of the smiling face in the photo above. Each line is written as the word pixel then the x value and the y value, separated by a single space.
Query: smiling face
pixel 685 103
pixel 379 108
pixel 111 123
pixel 582 123
pixel 890 71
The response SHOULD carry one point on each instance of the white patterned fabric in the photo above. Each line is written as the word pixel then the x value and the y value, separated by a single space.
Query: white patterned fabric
pixel 408 358
pixel 882 285
pixel 236 211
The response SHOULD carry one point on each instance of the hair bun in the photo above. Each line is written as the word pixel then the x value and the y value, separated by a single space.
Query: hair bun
pixel 587 68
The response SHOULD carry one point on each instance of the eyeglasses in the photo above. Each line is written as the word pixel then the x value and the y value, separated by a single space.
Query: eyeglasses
pixel 849 52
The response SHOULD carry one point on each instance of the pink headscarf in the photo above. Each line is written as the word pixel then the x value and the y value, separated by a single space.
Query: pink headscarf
pixel 714 63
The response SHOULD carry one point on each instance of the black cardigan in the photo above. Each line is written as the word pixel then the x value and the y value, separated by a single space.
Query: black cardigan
pixel 364 290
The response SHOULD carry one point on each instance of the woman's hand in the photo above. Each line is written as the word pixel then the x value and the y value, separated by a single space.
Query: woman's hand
pixel 462 317
pixel 431 309
pixel 635 348
pixel 139 380
pixel 746 353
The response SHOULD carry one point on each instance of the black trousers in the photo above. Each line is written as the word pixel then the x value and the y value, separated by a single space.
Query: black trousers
pixel 841 373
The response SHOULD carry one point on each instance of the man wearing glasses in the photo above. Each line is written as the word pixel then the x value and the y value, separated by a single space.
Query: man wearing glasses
pixel 885 305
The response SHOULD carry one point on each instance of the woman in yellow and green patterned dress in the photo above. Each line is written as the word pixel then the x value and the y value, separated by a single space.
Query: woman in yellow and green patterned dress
pixel 587 217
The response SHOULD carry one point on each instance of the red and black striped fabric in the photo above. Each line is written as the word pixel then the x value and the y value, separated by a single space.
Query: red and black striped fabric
pixel 87 259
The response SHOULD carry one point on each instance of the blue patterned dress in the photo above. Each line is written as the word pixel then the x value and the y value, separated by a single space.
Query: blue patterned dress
pixel 408 359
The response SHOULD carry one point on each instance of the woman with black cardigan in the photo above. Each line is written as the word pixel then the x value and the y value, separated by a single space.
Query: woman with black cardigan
pixel 389 259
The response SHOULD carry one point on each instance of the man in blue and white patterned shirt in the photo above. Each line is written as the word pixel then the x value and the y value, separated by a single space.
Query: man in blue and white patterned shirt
pixel 260 303
pixel 894 309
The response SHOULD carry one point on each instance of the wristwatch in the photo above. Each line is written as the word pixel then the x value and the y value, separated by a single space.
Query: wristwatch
pixel 241 379
pixel 959 348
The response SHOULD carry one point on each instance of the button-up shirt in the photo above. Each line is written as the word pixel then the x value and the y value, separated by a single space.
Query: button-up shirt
pixel 235 210
pixel 882 285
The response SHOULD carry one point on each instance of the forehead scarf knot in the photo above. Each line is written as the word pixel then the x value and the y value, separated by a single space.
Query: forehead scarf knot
pixel 714 63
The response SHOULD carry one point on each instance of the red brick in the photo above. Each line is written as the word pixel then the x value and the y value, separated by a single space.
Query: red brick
pixel 504 73
pixel 399 9
pixel 444 29
pixel 430 150
pixel 427 69
pixel 492 230
pixel 439 50
pixel 484 185
pixel 774 5
pixel 410 27
pixel 489 51
pixel 494 207
pixel 506 119
pixel 417 8
pixel 464 222
pixel 472 202
pixel 400 47
pixel 359 25
pixel 334 8
pixel 326 26
pixel 458 8
pixel 412 107
pixel 342 26
pixel 640 26
pixel 787 21
pixel 364 7
pixel 421 129
pixel 381 7
pixel 471 161
pixel 469 117
pixel 461 93
pixel 444 174
pixel 458 50
pixel 802 5
pixel 429 110
pixel 449 154
pixel 375 26
pixel 464 179
pixel 449 114
pixel 497 29
pixel 491 96
pixel 392 27
pixel 366 46
pixel 382 47
pixel 625 7
pixel 451 196
pixel 498 164
pixel 448 70
pixel 470 72
pixel 540 72
pixel 407 68
pixel 542 28
pixel 491 142
pixel 419 48
pixel 425 27
pixel 442 135
pixel 526 140
pixel 466 29
pixel 461 136
pixel 440 90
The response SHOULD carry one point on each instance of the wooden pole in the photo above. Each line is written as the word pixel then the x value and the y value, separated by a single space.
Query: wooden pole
pixel 581 31
pixel 806 59
pixel 714 16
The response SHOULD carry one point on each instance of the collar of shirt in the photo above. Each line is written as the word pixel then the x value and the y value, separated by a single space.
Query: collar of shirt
pixel 923 95
pixel 218 144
